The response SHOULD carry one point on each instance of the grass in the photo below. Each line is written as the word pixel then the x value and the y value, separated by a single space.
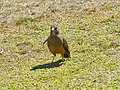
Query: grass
pixel 92 29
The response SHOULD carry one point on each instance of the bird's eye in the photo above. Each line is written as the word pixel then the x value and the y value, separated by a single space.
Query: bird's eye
pixel 55 28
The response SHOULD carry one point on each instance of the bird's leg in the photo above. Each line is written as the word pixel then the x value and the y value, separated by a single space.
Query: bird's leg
pixel 63 59
pixel 53 58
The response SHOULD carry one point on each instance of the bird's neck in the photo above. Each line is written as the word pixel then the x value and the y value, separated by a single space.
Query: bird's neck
pixel 53 34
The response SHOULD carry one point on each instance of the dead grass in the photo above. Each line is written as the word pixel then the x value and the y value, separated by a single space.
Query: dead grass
pixel 93 33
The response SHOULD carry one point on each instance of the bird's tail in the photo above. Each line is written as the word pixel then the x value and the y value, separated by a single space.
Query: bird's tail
pixel 67 55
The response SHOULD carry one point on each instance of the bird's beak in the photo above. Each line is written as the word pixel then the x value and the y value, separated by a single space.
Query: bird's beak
pixel 52 29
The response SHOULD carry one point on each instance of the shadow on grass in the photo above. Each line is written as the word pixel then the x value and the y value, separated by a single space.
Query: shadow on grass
pixel 49 65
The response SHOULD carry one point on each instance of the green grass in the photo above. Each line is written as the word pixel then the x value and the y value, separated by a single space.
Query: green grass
pixel 92 30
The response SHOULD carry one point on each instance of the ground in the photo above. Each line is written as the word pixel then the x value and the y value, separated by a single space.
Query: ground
pixel 92 29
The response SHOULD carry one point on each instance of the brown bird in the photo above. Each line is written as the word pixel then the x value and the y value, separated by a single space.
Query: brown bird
pixel 57 44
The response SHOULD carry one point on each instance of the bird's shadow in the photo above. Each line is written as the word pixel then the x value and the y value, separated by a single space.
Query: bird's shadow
pixel 49 65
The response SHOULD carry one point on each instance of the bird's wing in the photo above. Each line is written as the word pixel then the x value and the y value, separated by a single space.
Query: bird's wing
pixel 65 45
pixel 45 41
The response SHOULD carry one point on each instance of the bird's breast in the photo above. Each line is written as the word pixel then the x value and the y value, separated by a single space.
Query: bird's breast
pixel 55 44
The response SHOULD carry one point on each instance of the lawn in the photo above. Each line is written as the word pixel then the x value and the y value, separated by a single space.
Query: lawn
pixel 92 29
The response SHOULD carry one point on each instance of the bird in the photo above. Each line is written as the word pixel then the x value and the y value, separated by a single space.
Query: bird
pixel 57 44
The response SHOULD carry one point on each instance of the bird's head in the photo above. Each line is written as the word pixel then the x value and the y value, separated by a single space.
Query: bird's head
pixel 54 30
